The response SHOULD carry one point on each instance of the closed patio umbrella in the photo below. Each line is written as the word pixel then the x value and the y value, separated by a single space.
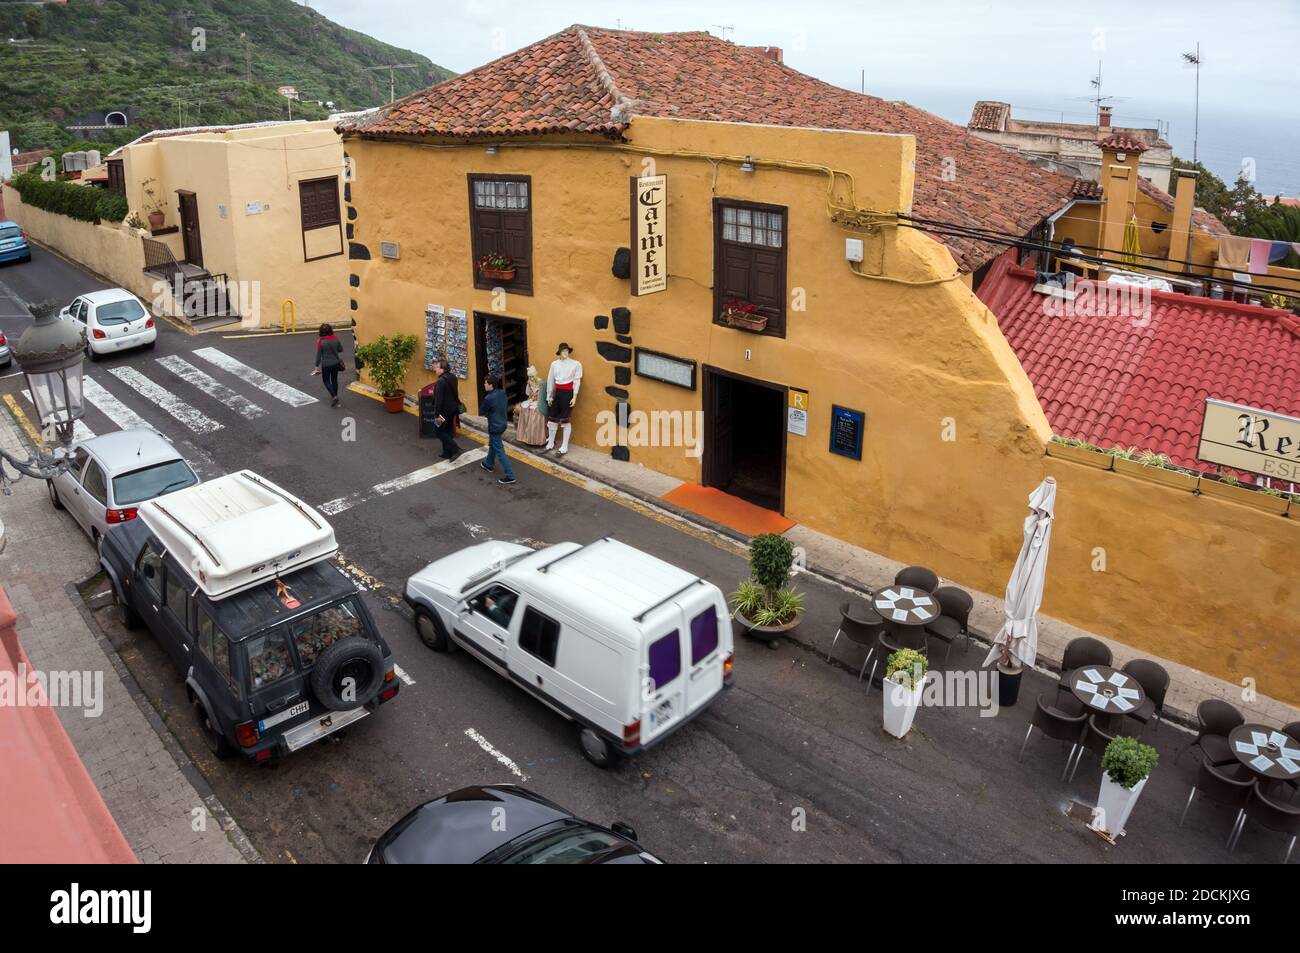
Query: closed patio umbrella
pixel 1018 636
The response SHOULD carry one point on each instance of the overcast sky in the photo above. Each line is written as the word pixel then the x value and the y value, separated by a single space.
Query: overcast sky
pixel 939 54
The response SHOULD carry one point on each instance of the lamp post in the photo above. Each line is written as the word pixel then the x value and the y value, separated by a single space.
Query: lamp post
pixel 51 354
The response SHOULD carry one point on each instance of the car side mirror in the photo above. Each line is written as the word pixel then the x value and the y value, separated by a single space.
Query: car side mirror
pixel 623 829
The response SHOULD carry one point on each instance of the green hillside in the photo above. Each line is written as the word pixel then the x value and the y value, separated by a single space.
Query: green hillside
pixel 60 61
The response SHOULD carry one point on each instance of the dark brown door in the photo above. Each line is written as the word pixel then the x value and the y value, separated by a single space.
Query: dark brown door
pixel 718 429
pixel 189 209
pixel 745 438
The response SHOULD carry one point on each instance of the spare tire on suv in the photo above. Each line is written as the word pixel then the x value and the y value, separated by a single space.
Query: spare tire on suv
pixel 348 674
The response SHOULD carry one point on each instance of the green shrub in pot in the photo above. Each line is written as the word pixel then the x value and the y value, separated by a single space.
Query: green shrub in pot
pixel 1128 761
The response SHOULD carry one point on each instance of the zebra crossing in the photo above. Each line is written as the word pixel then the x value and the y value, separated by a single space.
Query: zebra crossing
pixel 168 384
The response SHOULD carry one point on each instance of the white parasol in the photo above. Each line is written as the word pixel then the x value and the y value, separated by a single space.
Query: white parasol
pixel 1025 588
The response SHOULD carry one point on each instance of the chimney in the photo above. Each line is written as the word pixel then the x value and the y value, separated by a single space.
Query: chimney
pixel 1103 118
pixel 1180 230
pixel 773 53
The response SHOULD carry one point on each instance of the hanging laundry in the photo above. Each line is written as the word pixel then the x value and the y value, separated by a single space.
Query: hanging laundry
pixel 1278 251
pixel 1259 251
pixel 1234 253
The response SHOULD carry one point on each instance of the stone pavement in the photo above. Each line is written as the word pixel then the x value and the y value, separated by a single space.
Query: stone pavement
pixel 154 793
pixel 856 569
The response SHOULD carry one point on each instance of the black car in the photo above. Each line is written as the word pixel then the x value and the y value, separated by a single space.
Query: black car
pixel 503 824
pixel 269 669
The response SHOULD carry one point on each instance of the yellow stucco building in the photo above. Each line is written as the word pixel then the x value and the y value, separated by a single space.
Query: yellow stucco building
pixel 257 204
pixel 879 401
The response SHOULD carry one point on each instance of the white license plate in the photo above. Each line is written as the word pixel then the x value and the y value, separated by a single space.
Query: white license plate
pixel 294 712
pixel 663 713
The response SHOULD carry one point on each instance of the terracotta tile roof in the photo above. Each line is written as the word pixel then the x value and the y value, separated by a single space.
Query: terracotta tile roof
pixel 989 116
pixel 592 81
pixel 1122 142
pixel 1112 383
pixel 1085 189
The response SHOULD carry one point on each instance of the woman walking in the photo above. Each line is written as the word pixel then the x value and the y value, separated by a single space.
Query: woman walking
pixel 329 361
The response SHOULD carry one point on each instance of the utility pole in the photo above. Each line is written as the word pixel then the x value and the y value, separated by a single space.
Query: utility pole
pixel 1194 59
pixel 392 81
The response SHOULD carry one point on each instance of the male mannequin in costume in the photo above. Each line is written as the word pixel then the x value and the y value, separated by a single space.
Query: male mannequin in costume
pixel 563 381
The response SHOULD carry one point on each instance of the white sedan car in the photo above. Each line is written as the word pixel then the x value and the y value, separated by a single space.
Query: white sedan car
pixel 114 320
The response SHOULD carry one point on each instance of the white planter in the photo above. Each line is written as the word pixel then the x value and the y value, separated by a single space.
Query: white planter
pixel 900 706
pixel 1114 804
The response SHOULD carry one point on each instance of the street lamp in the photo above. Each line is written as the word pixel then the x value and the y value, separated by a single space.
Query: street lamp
pixel 51 354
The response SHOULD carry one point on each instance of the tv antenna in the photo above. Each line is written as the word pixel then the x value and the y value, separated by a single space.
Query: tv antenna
pixel 392 76
pixel 726 28
pixel 1194 59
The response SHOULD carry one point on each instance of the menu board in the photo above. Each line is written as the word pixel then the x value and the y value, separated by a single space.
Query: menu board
pixel 446 332
pixel 846 431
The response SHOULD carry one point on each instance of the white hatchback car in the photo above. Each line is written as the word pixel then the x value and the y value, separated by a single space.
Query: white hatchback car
pixel 114 320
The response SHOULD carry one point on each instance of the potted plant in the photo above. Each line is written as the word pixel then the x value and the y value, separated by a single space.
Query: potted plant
pixel 904 678
pixel 386 359
pixel 153 204
pixel 1079 451
pixel 764 604
pixel 741 314
pixel 1228 487
pixel 1125 764
pixel 497 267
pixel 1154 468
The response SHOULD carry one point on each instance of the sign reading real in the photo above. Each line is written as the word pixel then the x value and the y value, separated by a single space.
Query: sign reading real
pixel 649 234
pixel 1246 438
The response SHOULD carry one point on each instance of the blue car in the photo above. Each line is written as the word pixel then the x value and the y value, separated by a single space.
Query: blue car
pixel 13 243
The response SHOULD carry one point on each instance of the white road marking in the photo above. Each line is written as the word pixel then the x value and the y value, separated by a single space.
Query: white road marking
pixel 211 386
pixel 343 503
pixel 290 395
pixel 112 408
pixel 190 416
pixel 487 746
pixel 80 431
pixel 406 679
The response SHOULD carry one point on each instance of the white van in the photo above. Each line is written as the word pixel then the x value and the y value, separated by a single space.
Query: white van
pixel 620 642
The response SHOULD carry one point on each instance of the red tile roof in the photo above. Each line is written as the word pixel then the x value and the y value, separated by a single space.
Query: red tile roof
pixel 989 116
pixel 1122 142
pixel 1085 189
pixel 592 81
pixel 1117 381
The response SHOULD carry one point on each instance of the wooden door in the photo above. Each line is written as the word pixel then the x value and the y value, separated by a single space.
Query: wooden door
pixel 189 209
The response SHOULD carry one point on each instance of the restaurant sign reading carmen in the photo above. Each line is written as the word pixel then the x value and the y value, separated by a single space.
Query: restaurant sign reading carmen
pixel 649 234
pixel 1250 439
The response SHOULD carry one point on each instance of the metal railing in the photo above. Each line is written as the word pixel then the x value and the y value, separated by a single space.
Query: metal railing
pixel 209 296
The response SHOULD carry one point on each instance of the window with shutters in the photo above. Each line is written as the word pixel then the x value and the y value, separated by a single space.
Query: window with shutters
pixel 116 177
pixel 749 259
pixel 319 201
pixel 501 224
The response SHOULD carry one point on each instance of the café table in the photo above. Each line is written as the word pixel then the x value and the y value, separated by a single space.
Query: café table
pixel 1106 690
pixel 1266 751
pixel 907 610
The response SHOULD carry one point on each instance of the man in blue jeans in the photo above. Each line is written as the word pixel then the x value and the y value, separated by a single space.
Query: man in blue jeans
pixel 497 411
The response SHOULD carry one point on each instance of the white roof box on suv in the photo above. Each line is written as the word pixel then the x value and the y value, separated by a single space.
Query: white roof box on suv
pixel 239 530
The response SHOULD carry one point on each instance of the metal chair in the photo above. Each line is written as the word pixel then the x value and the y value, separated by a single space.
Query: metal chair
pixel 1271 814
pixel 955 607
pixel 1080 652
pixel 1062 723
pixel 1097 735
pixel 1215 719
pixel 1228 784
pixel 860 629
pixel 918 577
pixel 1292 731
pixel 1155 683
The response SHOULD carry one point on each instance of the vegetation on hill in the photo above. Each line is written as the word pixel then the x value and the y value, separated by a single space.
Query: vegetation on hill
pixel 184 62
pixel 1244 210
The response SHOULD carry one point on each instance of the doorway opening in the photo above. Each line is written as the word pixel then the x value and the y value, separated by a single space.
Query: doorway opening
pixel 744 438
pixel 190 237
pixel 502 348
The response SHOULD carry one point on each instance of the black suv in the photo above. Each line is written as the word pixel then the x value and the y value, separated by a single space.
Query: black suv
pixel 270 669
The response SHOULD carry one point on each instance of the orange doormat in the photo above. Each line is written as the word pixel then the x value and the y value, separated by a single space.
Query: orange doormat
pixel 731 511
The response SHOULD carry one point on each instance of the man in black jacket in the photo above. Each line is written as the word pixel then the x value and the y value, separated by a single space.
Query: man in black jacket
pixel 446 405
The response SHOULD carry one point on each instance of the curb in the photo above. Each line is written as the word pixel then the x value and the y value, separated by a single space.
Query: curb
pixel 187 767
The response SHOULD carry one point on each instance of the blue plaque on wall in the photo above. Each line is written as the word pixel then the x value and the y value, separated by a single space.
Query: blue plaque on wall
pixel 846 431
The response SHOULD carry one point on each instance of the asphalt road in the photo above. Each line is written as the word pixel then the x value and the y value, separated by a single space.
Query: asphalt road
pixel 789 766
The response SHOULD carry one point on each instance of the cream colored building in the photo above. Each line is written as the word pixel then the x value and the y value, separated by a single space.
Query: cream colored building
pixel 253 210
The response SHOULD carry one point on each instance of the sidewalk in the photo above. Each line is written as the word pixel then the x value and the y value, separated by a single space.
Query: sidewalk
pixel 156 796
pixel 860 569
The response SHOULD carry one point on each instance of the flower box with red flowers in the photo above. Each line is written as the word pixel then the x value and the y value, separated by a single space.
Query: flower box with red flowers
pixel 743 315
pixel 497 267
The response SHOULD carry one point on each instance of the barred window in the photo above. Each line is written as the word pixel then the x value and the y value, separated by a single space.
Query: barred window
pixel 752 226
pixel 500 194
